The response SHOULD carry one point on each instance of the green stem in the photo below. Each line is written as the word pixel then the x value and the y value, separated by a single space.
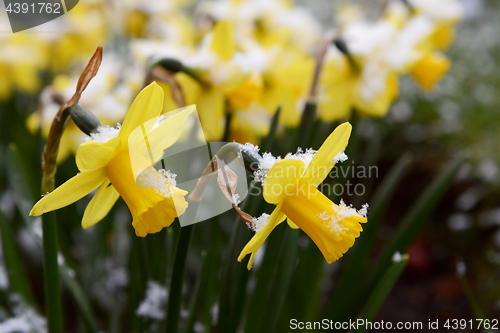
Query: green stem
pixel 51 273
pixel 174 300
pixel 306 125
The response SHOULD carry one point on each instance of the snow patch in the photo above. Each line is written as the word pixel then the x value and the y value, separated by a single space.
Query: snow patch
pixel 152 307
pixel 258 223
pixel 104 134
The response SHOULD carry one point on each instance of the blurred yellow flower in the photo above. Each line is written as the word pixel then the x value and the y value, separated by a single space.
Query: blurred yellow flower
pixel 292 187
pixel 430 69
pixel 22 59
pixel 107 161
pixel 83 29
pixel 346 85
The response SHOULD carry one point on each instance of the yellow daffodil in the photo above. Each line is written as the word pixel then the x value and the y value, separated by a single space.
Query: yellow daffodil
pixel 292 187
pixel 217 78
pixel 369 88
pixel 115 163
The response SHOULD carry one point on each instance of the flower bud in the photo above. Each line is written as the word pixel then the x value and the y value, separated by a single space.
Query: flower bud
pixel 171 64
pixel 341 45
pixel 86 121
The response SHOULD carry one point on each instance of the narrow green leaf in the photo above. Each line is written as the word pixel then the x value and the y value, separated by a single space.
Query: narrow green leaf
pixel 304 302
pixel 79 296
pixel 356 260
pixel 283 276
pixel 205 291
pixel 234 275
pixel 469 295
pixel 19 182
pixel 382 290
pixel 414 221
pixel 267 143
pixel 306 125
pixel 175 291
pixel 24 202
pixel 13 263
pixel 264 277
pixel 51 274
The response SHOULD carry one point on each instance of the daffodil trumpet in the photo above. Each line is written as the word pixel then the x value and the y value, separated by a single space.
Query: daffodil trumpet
pixel 117 161
pixel 292 187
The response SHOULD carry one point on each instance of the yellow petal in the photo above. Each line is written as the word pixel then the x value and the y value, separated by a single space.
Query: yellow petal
pixel 337 102
pixel 33 123
pixel 95 155
pixel 291 224
pixel 248 92
pixel 210 107
pixel 333 228
pixel 223 40
pixel 259 238
pixel 289 114
pixel 100 205
pixel 323 161
pixel 151 146
pixel 168 131
pixel 190 87
pixel 282 179
pixel 430 69
pixel 443 36
pixel 69 192
pixel 147 105
pixel 380 104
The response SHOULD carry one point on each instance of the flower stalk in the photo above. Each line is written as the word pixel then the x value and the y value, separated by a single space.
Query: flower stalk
pixel 49 168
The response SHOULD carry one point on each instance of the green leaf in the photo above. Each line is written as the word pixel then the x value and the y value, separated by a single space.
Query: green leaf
pixel 14 263
pixel 414 221
pixel 304 302
pixel 24 202
pixel 382 290
pixel 79 296
pixel 356 260
pixel 51 273
pixel 282 278
pixel 175 290
pixel 206 285
pixel 19 182
pixel 478 313
pixel 267 143
pixel 264 277
pixel 306 125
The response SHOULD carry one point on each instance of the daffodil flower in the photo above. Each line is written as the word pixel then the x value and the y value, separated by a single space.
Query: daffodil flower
pixel 294 192
pixel 107 163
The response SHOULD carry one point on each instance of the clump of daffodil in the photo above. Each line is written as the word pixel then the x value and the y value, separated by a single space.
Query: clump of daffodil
pixel 247 73
pixel 108 97
pixel 291 184
pixel 363 73
pixel 268 21
pixel 216 77
pixel 114 161
pixel 287 77
pixel 428 28
pixel 357 79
